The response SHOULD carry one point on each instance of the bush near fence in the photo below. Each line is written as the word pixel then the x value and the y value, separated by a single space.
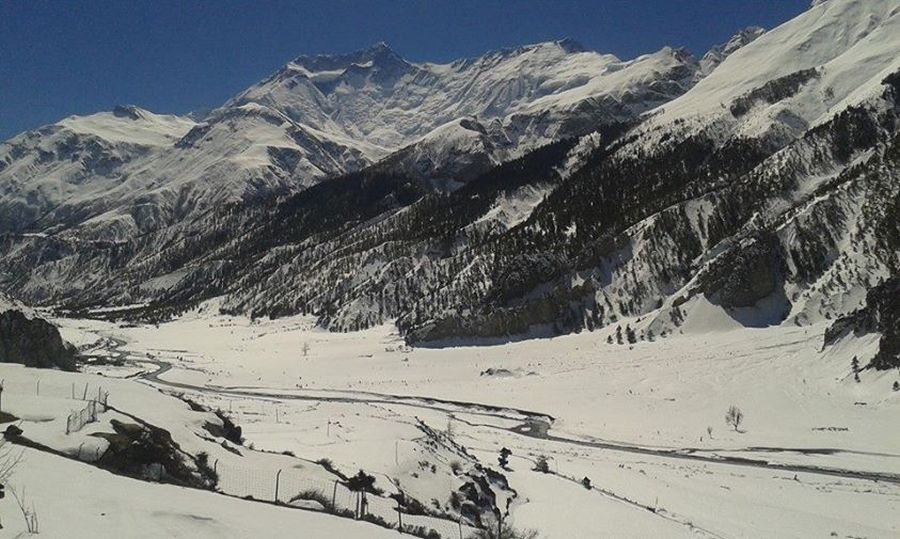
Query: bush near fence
pixel 292 487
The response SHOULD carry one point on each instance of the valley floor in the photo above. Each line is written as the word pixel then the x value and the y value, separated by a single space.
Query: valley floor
pixel 817 455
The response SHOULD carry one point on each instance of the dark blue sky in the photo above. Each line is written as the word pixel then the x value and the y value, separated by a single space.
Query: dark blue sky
pixel 59 58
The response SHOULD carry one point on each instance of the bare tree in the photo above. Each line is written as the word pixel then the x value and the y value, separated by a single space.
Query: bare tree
pixel 8 462
pixel 734 416
pixel 29 513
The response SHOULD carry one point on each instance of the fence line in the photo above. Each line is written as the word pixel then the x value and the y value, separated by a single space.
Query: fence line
pixel 78 419
pixel 290 486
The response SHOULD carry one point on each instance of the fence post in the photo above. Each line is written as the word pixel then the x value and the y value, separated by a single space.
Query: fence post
pixel 277 481
pixel 38 392
pixel 460 527
pixel 399 517
pixel 334 497
pixel 216 467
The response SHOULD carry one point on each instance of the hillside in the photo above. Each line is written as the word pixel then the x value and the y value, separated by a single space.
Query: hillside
pixel 767 191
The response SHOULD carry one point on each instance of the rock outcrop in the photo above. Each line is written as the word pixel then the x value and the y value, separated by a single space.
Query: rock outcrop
pixel 33 342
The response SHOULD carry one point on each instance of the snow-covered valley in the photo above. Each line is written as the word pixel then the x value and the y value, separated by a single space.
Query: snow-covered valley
pixel 816 455
pixel 543 292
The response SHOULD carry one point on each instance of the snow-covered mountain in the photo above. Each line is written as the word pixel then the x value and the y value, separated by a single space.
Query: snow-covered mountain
pixel 117 174
pixel 377 96
pixel 797 75
pixel 114 175
pixel 535 190
pixel 717 54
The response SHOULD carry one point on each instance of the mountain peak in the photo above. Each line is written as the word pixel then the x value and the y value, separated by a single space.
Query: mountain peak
pixel 380 47
pixel 718 53
pixel 130 111
pixel 379 54
pixel 571 45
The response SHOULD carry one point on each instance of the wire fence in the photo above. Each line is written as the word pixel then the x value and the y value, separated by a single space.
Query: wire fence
pixel 54 389
pixel 291 486
pixel 78 419
pixel 287 486
pixel 96 398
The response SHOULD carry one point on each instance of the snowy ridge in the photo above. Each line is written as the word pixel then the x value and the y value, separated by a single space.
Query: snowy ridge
pixel 851 44
pixel 116 174
pixel 718 54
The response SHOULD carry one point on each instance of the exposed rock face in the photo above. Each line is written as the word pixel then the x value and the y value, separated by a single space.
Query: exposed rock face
pixel 742 277
pixel 33 342
pixel 881 314
pixel 147 452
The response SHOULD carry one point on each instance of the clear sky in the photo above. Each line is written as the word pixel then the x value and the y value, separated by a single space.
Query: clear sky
pixel 59 58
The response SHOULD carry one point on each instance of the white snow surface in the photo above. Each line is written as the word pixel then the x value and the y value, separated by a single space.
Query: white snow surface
pixel 853 43
pixel 801 407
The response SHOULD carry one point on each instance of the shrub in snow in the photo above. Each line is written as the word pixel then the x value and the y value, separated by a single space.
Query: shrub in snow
pixel 503 459
pixel 502 531
pixel 316 496
pixel 12 432
pixel 734 416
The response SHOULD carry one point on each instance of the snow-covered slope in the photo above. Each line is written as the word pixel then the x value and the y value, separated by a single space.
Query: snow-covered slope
pixel 79 160
pixel 797 75
pixel 114 175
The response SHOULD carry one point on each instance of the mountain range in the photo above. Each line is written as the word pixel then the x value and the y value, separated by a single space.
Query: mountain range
pixel 530 191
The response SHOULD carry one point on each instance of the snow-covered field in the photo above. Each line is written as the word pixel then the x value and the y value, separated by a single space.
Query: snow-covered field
pixel 76 501
pixel 817 455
